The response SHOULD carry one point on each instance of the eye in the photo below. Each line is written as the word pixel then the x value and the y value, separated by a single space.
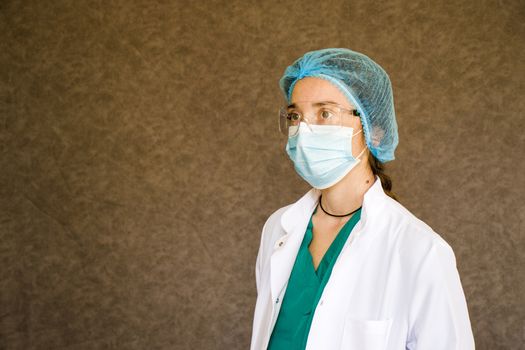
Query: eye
pixel 326 114
pixel 293 116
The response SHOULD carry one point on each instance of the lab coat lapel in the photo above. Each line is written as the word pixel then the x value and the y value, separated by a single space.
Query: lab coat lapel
pixel 294 222
pixel 344 279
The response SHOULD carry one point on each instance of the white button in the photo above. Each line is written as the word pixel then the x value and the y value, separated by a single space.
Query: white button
pixel 277 300
pixel 321 303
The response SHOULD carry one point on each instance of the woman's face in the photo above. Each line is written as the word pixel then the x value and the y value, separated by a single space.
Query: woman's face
pixel 318 89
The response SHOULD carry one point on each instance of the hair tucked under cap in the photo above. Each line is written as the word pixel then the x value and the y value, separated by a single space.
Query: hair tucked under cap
pixel 365 84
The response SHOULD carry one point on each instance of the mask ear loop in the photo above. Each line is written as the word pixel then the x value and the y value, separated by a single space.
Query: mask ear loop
pixel 364 148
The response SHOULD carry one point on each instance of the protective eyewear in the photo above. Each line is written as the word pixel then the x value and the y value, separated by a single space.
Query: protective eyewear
pixel 323 113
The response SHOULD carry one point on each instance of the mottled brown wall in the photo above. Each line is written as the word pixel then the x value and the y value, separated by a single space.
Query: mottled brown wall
pixel 140 157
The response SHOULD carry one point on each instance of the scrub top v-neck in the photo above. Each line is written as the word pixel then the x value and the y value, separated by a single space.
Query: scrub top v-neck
pixel 305 286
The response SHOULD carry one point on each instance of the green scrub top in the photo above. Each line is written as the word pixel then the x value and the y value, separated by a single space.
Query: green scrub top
pixel 304 289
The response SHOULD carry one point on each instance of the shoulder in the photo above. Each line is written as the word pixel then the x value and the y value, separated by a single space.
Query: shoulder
pixel 414 239
pixel 275 217
pixel 272 226
pixel 432 282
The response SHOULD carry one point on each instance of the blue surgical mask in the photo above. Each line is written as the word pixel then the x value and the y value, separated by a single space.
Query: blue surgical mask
pixel 322 154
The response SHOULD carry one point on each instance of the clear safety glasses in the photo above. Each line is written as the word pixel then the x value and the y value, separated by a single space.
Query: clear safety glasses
pixel 321 113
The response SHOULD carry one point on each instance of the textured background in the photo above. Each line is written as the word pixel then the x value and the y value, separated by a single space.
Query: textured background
pixel 140 157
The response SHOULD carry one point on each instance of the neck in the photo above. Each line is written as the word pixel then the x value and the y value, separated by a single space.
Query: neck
pixel 348 194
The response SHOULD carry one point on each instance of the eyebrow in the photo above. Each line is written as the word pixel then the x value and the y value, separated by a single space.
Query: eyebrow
pixel 320 103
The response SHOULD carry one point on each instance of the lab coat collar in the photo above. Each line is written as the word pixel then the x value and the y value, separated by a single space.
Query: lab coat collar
pixel 294 222
pixel 306 205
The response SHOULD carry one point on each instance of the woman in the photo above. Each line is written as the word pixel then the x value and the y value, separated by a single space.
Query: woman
pixel 347 266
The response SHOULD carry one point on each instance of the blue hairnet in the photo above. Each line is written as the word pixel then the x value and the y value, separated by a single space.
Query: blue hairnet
pixel 365 84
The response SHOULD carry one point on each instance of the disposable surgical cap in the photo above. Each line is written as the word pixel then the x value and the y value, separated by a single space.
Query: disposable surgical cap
pixel 365 84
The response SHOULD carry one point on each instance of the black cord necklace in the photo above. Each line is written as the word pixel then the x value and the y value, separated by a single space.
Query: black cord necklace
pixel 337 216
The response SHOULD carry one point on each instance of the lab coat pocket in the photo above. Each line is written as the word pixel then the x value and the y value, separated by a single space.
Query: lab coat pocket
pixel 365 334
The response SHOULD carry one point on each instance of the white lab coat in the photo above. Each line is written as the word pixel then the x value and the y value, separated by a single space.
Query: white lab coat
pixel 394 286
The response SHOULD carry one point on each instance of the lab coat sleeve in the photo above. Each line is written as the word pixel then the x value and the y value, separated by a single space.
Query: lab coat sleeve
pixel 438 315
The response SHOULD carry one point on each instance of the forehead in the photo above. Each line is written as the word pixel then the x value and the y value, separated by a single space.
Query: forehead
pixel 318 89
